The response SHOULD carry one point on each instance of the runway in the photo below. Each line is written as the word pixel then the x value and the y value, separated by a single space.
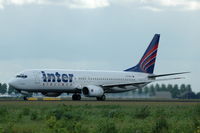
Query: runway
pixel 110 100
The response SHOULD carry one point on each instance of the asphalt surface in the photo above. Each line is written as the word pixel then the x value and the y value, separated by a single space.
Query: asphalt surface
pixel 109 100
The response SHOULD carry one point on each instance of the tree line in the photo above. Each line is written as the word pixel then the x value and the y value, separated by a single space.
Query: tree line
pixel 177 91
pixel 4 87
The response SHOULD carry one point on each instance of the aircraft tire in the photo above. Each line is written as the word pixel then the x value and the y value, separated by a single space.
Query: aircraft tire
pixel 25 98
pixel 102 98
pixel 76 97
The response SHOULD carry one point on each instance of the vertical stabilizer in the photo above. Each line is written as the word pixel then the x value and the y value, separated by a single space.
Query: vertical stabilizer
pixel 147 62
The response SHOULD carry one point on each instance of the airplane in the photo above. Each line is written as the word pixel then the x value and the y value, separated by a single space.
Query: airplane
pixel 91 83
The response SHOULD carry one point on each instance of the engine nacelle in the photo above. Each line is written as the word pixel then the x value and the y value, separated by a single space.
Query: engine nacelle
pixel 93 91
pixel 51 94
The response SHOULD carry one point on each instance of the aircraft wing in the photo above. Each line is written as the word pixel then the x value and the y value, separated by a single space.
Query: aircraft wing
pixel 169 74
pixel 139 82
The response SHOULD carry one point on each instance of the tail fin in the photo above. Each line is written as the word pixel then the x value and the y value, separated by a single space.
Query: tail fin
pixel 148 60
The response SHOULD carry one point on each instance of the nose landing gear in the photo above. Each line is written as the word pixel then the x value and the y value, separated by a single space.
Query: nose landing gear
pixel 25 98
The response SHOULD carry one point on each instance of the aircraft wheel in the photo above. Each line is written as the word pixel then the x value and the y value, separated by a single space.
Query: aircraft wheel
pixel 25 98
pixel 76 97
pixel 102 98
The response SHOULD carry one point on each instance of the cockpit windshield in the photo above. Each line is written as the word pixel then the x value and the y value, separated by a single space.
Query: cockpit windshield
pixel 21 76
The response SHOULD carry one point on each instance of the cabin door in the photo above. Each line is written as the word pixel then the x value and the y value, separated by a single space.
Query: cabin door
pixel 37 77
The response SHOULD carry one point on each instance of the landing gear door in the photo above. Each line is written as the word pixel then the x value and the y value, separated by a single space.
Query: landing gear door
pixel 37 78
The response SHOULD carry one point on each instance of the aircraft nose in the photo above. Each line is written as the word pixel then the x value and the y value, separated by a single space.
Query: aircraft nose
pixel 12 83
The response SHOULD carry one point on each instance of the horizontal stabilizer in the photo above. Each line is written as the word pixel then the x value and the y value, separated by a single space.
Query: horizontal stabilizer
pixel 170 74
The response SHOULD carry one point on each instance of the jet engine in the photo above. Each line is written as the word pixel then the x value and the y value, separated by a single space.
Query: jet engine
pixel 51 94
pixel 93 91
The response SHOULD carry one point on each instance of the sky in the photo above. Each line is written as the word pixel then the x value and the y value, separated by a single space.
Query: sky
pixel 99 35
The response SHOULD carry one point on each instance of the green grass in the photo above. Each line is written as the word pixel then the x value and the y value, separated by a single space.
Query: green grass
pixel 98 117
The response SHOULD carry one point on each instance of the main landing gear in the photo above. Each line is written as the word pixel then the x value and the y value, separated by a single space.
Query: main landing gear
pixel 102 98
pixel 76 97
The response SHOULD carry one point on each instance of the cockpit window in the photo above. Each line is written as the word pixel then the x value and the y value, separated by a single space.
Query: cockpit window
pixel 21 76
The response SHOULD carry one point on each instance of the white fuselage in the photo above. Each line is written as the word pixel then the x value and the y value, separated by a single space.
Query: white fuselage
pixel 72 81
